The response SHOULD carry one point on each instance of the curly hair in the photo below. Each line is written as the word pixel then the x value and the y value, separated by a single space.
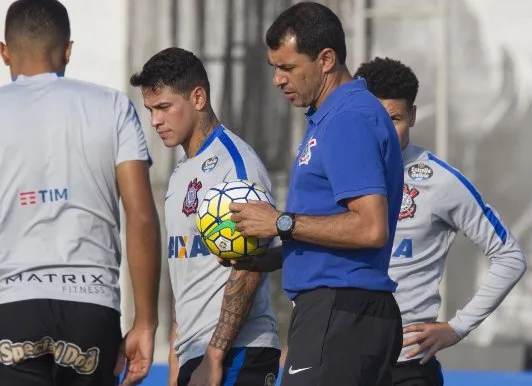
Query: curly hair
pixel 176 68
pixel 389 79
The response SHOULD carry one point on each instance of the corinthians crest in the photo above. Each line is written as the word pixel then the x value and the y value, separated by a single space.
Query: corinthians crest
pixel 306 154
pixel 190 204
pixel 408 206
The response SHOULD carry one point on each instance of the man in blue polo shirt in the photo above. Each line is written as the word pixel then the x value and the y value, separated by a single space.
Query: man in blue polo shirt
pixel 343 203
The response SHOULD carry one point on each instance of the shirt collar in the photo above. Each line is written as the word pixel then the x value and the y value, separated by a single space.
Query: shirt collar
pixel 408 153
pixel 210 139
pixel 315 116
pixel 42 76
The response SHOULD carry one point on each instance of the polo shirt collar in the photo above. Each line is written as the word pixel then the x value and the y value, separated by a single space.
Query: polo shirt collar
pixel 315 116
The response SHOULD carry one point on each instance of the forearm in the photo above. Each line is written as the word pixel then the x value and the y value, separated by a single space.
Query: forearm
pixel 504 272
pixel 271 261
pixel 144 260
pixel 173 359
pixel 238 298
pixel 344 230
pixel 173 336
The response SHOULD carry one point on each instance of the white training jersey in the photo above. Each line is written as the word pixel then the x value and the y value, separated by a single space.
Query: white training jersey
pixel 60 141
pixel 198 280
pixel 438 202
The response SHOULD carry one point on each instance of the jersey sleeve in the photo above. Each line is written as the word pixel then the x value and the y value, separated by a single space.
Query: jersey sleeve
pixel 352 156
pixel 260 176
pixel 131 141
pixel 252 170
pixel 463 208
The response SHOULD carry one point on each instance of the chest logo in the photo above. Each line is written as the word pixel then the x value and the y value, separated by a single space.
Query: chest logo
pixel 209 164
pixel 408 205
pixel 190 204
pixel 306 154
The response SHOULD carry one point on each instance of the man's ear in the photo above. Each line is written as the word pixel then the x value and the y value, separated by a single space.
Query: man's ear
pixel 327 60
pixel 198 96
pixel 413 112
pixel 4 51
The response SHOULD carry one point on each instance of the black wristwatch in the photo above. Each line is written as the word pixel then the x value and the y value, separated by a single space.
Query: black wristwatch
pixel 285 225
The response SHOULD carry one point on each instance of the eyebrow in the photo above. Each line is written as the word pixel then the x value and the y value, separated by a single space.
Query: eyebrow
pixel 158 105
pixel 281 65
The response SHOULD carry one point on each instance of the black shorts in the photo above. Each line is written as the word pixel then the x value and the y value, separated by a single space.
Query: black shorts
pixel 339 337
pixel 58 343
pixel 412 373
pixel 243 366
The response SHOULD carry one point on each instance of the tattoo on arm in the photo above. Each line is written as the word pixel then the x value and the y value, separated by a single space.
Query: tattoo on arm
pixel 238 298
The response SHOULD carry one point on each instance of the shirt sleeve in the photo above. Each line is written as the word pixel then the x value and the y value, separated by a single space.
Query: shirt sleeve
pixel 353 156
pixel 464 209
pixel 248 166
pixel 131 141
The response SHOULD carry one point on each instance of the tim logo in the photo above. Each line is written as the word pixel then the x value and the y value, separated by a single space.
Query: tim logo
pixel 43 196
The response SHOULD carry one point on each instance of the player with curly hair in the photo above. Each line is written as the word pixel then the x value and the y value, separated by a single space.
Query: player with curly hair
pixel 438 202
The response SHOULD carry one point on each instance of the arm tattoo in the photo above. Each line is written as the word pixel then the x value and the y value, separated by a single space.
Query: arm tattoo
pixel 238 298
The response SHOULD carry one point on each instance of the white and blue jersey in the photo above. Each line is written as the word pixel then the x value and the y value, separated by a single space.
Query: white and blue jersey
pixel 198 280
pixel 438 202
pixel 350 149
pixel 61 141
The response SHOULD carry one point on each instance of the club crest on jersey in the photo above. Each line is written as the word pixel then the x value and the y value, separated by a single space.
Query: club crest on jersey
pixel 209 164
pixel 306 154
pixel 190 204
pixel 408 205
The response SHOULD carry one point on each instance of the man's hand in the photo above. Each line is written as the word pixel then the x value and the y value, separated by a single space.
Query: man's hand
pixel 255 218
pixel 270 261
pixel 242 264
pixel 431 337
pixel 208 373
pixel 136 354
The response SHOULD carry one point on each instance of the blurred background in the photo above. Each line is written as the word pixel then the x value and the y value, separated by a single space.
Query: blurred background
pixel 474 62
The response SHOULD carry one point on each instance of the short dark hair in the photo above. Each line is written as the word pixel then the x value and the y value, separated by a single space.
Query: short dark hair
pixel 176 68
pixel 314 26
pixel 43 21
pixel 389 79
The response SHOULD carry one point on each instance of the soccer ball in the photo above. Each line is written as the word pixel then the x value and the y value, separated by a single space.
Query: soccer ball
pixel 213 220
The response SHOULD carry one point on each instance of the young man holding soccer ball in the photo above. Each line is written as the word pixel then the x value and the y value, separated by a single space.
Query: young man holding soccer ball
pixel 224 327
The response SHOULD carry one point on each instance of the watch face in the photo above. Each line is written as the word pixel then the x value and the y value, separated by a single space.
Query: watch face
pixel 284 223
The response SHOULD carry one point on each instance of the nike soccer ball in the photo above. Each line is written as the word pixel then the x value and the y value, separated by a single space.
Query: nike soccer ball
pixel 213 220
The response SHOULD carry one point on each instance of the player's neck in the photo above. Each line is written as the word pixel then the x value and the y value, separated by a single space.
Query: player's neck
pixel 32 68
pixel 206 125
pixel 404 140
pixel 333 80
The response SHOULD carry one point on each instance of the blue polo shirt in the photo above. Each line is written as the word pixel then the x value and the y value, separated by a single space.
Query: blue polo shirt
pixel 350 149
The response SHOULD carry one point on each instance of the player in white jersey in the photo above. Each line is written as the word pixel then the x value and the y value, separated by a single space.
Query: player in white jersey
pixel 225 330
pixel 68 151
pixel 438 202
